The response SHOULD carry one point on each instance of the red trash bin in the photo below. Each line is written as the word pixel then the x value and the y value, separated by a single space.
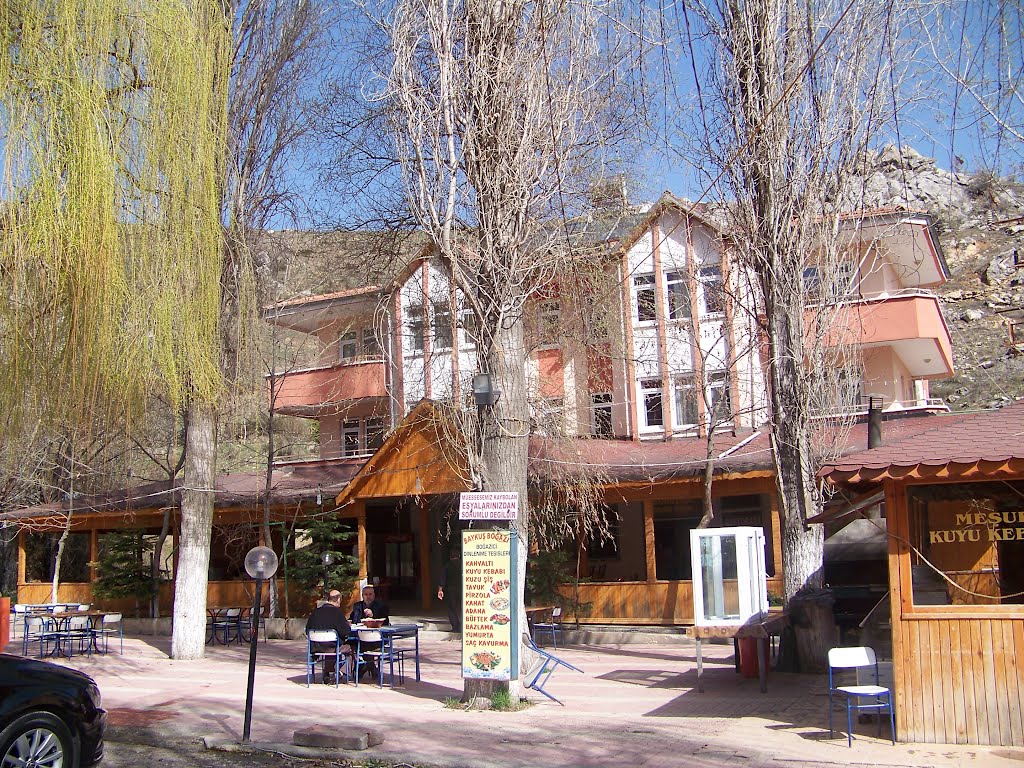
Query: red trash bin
pixel 5 622
pixel 749 665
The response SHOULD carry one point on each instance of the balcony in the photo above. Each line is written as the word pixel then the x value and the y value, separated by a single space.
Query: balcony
pixel 313 392
pixel 910 322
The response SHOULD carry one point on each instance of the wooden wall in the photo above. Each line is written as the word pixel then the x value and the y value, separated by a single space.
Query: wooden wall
pixel 957 680
pixel 638 602
pixel 955 668
pixel 218 594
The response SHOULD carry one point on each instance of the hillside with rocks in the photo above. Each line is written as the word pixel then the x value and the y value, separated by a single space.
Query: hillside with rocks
pixel 980 220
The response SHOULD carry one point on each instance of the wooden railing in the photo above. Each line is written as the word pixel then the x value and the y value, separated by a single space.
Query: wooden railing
pixel 640 602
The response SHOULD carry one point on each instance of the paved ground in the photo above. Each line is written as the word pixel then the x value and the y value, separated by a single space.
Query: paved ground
pixel 635 704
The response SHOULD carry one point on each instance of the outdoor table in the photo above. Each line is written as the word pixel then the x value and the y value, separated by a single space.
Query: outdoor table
pixel 761 630
pixel 218 614
pixel 391 632
pixel 60 622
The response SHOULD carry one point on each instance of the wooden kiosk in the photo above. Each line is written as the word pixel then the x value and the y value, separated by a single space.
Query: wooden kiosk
pixel 954 514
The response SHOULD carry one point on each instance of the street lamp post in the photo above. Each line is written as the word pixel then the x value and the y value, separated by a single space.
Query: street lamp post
pixel 327 559
pixel 260 564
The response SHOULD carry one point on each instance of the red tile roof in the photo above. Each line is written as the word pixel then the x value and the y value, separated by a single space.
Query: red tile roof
pixel 292 483
pixel 962 438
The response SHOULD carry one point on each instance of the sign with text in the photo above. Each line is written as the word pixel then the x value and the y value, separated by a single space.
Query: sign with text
pixel 488 506
pixel 489 605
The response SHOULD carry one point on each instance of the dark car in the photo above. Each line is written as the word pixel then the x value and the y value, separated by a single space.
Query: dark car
pixel 50 715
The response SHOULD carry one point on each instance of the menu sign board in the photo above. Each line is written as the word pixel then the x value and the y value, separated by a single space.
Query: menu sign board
pixel 489 605
pixel 500 505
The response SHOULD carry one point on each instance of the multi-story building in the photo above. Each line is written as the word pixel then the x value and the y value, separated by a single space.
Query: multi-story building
pixel 668 352
pixel 647 374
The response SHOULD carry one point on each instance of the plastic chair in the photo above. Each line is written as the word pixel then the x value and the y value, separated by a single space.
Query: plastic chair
pixel 78 632
pixel 227 628
pixel 19 613
pixel 107 630
pixel 856 658
pixel 548 666
pixel 325 636
pixel 382 648
pixel 250 624
pixel 551 627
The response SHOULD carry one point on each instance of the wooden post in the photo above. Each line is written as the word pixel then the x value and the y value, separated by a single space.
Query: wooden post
pixel 649 554
pixel 426 581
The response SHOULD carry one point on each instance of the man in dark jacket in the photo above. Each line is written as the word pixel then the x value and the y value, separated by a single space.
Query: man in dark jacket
pixel 329 616
pixel 369 607
pixel 449 589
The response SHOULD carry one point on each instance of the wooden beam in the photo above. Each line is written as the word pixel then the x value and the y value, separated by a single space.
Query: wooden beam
pixel 361 524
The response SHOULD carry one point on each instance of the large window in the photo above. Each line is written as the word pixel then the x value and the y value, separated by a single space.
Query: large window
pixel 414 323
pixel 653 414
pixel 549 318
pixel 646 300
pixel 374 434
pixel 605 547
pixel 968 543
pixel 673 522
pixel 442 326
pixel 678 296
pixel 350 438
pixel 719 398
pixel 371 344
pixel 349 345
pixel 601 415
pixel 41 551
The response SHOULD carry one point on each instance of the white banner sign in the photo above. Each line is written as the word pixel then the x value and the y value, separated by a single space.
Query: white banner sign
pixel 488 506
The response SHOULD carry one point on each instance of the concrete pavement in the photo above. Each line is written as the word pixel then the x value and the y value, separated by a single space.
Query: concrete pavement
pixel 635 704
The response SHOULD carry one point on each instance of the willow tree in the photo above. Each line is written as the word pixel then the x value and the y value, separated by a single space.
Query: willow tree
pixel 114 125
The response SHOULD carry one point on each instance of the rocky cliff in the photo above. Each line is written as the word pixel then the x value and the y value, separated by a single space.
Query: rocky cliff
pixel 980 219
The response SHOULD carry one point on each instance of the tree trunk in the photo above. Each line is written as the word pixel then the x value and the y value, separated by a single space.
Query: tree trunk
pixel 188 638
pixel 505 455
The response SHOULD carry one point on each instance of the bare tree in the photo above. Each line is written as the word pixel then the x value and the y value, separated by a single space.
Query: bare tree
pixel 795 96
pixel 499 113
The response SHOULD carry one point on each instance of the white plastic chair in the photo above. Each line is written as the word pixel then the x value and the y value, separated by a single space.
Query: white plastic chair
pixel 879 697
pixel 325 636
pixel 107 629
pixel 381 649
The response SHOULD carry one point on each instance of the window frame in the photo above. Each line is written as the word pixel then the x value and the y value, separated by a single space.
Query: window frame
pixel 677 296
pixel 645 284
pixel 648 395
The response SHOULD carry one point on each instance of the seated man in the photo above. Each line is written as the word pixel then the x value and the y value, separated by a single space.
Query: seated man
pixel 329 616
pixel 369 607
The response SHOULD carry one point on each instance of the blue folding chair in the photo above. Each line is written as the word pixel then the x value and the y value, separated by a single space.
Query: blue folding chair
pixel 879 697
pixel 549 664
pixel 552 627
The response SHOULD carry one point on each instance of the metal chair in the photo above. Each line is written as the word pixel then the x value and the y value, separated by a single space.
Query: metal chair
pixel 549 664
pixel 107 629
pixel 879 697
pixel 381 649
pixel 553 627
pixel 78 632
pixel 325 637
pixel 227 628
